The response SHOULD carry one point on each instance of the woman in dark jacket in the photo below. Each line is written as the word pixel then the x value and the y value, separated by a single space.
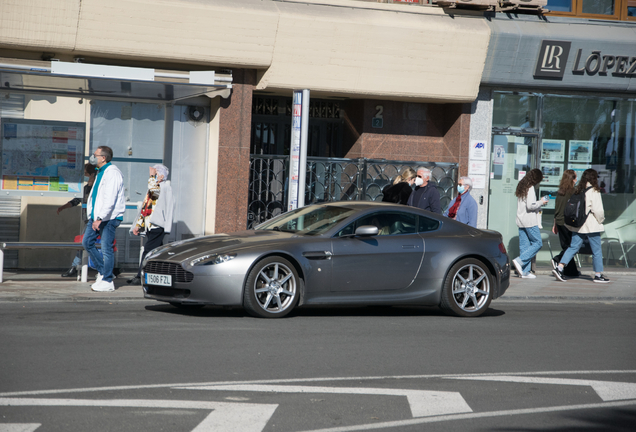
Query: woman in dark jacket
pixel 400 191
pixel 566 189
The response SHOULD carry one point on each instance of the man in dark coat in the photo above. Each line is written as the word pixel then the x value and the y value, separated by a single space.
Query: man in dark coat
pixel 426 196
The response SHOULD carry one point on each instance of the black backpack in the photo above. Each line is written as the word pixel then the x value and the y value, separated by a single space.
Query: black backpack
pixel 574 213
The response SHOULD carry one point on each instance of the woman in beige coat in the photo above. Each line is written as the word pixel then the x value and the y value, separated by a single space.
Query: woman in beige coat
pixel 591 229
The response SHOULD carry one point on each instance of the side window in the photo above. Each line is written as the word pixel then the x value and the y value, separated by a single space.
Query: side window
pixel 388 223
pixel 426 224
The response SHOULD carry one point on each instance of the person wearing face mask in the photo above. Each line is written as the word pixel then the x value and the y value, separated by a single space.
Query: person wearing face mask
pixel 463 208
pixel 426 196
pixel 89 178
pixel 154 220
pixel 400 191
pixel 105 208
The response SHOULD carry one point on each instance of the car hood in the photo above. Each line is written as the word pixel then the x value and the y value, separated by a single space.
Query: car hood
pixel 184 250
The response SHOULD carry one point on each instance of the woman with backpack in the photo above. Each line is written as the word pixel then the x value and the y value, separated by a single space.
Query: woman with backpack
pixel 528 215
pixel 590 229
pixel 566 189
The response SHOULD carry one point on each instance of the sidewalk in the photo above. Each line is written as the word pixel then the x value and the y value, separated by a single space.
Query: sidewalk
pixel 48 286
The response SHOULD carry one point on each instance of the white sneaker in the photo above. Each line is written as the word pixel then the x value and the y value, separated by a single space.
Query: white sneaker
pixel 517 264
pixel 100 277
pixel 529 276
pixel 103 286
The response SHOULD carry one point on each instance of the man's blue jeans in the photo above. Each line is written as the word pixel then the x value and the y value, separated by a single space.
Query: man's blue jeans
pixel 577 242
pixel 529 244
pixel 107 231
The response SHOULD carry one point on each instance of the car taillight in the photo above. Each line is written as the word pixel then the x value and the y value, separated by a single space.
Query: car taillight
pixel 502 248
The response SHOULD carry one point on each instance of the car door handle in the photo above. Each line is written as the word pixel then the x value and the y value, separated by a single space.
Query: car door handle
pixel 409 247
pixel 317 255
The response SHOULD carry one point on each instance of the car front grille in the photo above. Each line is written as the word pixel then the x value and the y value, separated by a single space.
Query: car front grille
pixel 178 273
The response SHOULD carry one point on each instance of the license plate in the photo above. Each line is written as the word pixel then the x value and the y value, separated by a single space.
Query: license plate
pixel 158 279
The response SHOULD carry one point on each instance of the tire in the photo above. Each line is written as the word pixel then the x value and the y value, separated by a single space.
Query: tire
pixel 467 290
pixel 272 288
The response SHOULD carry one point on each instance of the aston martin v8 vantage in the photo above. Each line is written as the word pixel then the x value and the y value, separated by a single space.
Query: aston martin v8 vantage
pixel 342 253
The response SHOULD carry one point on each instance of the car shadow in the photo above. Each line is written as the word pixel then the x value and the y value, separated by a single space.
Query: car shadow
pixel 317 311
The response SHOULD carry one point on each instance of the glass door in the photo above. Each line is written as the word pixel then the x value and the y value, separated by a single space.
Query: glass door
pixel 512 157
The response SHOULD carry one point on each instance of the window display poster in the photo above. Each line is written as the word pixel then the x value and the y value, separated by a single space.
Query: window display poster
pixel 578 169
pixel 553 150
pixel 580 151
pixel 521 157
pixel 42 156
pixel 552 192
pixel 499 153
pixel 551 173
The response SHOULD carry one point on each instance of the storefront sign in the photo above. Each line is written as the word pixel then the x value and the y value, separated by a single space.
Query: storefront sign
pixel 596 62
pixel 553 57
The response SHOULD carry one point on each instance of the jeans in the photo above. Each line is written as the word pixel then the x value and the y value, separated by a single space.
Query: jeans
pixel 77 260
pixel 595 244
pixel 107 231
pixel 529 244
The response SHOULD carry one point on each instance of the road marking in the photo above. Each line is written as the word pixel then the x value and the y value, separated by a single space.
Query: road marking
pixel 411 422
pixel 423 403
pixel 607 390
pixel 300 380
pixel 225 416
pixel 19 427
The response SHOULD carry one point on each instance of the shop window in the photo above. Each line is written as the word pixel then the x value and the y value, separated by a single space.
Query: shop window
pixel 135 132
pixel 606 9
pixel 576 133
pixel 512 110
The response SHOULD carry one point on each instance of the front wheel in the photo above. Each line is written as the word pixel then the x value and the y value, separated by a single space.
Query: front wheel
pixel 272 288
pixel 467 289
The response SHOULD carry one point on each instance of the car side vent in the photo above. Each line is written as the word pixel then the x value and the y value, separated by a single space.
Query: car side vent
pixel 178 273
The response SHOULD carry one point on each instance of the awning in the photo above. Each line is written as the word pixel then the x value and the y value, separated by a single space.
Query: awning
pixel 40 81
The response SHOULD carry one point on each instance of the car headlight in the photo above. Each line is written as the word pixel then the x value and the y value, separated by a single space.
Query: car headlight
pixel 211 259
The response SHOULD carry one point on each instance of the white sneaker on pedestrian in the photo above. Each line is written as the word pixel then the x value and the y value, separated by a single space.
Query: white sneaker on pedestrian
pixel 517 264
pixel 103 286
pixel 529 276
pixel 100 277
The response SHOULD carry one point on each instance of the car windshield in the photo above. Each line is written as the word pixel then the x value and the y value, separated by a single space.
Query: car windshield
pixel 311 220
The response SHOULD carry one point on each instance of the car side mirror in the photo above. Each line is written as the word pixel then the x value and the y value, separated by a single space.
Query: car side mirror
pixel 367 231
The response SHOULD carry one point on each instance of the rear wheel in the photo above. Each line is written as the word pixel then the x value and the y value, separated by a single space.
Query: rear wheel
pixel 272 288
pixel 467 289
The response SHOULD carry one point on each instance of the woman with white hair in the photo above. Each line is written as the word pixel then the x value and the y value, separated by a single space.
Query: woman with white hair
pixel 463 208
pixel 154 220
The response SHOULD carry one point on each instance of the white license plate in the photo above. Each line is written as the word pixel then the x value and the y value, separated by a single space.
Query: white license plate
pixel 158 279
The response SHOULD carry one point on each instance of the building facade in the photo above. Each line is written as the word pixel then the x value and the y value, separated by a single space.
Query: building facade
pixel 392 85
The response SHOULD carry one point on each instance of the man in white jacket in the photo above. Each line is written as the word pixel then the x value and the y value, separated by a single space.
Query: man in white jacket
pixel 105 209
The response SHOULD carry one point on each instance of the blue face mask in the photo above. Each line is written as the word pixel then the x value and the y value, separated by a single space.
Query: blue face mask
pixel 460 189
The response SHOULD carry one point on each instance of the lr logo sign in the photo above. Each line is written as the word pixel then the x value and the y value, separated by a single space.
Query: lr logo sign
pixel 553 57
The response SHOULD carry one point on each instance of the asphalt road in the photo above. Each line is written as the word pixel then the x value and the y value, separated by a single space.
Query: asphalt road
pixel 144 366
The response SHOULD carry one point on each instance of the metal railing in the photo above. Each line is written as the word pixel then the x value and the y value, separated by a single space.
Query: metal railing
pixel 333 179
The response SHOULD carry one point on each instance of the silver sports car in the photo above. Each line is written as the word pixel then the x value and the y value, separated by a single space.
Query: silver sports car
pixel 341 253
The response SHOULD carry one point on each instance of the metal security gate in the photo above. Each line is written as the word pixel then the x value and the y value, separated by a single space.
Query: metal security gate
pixel 333 179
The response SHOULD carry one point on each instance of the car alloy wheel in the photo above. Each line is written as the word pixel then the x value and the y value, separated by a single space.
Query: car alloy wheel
pixel 272 288
pixel 467 289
